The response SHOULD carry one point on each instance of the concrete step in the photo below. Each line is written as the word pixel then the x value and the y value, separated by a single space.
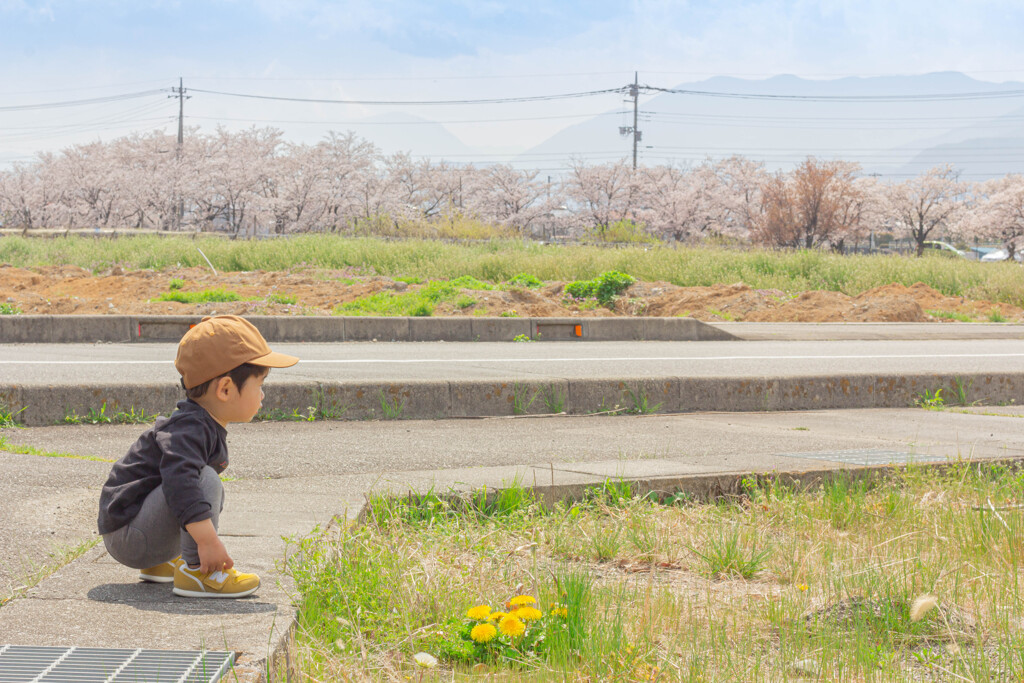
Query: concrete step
pixel 60 403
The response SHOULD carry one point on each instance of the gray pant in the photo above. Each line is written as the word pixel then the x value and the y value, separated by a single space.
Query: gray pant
pixel 155 536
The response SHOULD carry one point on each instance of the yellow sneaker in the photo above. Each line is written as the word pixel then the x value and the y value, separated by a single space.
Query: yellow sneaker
pixel 192 583
pixel 162 573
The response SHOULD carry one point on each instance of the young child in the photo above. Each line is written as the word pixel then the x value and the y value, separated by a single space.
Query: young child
pixel 162 501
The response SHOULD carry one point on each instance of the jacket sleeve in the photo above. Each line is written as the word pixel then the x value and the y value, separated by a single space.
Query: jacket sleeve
pixel 184 448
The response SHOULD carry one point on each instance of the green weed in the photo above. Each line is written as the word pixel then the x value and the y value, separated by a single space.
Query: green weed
pixel 175 283
pixel 464 301
pixel 554 399
pixel 950 315
pixel 9 416
pixel 605 287
pixel 9 447
pixel 511 313
pixel 732 553
pixel 640 403
pixel 214 295
pixel 280 298
pixel 995 316
pixel 524 280
pixel 522 398
pixel 930 400
pixel 522 338
pixel 391 408
pixel 9 309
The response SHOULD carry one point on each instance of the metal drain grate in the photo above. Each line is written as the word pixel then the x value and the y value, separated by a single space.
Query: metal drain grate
pixel 27 664
pixel 866 456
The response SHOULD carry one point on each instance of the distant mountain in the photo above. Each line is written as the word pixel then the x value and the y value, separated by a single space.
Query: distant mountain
pixel 984 137
pixel 398 132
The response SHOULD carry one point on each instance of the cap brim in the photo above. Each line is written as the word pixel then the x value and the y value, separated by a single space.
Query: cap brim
pixel 275 360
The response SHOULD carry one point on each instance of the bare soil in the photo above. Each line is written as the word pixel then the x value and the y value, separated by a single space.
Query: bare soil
pixel 73 290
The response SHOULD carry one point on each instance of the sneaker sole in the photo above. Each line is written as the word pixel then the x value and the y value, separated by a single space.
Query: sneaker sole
pixel 203 594
pixel 156 579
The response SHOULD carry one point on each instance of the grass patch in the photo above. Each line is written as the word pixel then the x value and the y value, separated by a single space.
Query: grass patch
pixel 420 302
pixel 778 583
pixel 175 283
pixel 215 295
pixel 60 557
pixel 9 416
pixel 99 416
pixel 281 298
pixel 9 309
pixel 8 447
pixel 950 315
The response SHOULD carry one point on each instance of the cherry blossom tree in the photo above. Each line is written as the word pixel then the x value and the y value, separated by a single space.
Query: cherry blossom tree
pixel 815 203
pixel 999 214
pixel 603 194
pixel 926 205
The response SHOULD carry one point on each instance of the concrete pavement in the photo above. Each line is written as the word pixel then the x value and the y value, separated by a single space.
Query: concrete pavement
pixel 288 477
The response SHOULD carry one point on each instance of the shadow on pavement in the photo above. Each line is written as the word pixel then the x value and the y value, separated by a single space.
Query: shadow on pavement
pixel 157 598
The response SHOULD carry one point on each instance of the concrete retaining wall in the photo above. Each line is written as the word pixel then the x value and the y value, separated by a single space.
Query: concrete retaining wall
pixel 50 404
pixel 47 329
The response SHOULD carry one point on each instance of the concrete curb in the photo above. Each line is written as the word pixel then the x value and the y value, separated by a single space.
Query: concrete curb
pixel 46 404
pixel 62 329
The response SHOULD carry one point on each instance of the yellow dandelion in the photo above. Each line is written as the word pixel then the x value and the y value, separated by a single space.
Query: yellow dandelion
pixel 511 626
pixel 496 616
pixel 559 610
pixel 521 600
pixel 802 587
pixel 528 613
pixel 479 612
pixel 483 633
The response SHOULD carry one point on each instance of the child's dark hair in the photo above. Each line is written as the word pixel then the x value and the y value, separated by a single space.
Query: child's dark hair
pixel 239 376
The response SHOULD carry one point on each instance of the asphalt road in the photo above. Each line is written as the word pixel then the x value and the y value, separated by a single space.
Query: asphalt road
pixel 45 364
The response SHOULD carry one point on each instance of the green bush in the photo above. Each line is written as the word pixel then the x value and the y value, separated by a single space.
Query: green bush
pixel 175 283
pixel 605 287
pixel 525 280
pixel 9 309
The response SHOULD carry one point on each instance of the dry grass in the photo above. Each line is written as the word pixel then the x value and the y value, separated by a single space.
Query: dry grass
pixel 775 586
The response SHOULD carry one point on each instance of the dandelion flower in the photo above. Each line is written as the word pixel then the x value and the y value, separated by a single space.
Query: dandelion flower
pixel 424 660
pixel 801 587
pixel 922 606
pixel 528 613
pixel 496 616
pixel 560 610
pixel 521 600
pixel 479 612
pixel 483 633
pixel 511 626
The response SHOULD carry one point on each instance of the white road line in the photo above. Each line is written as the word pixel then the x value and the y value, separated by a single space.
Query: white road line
pixel 386 361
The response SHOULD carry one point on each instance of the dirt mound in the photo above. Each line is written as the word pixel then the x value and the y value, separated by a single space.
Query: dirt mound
pixel 73 290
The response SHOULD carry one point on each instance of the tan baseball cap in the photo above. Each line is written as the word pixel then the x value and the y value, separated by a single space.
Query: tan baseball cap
pixel 220 344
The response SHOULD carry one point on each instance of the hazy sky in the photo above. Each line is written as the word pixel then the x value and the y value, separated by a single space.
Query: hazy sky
pixel 61 50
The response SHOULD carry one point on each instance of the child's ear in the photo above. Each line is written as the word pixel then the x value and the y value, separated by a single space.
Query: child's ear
pixel 223 388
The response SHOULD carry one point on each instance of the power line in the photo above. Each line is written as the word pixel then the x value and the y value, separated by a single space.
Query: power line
pixel 495 100
pixel 935 97
pixel 78 103
pixel 408 123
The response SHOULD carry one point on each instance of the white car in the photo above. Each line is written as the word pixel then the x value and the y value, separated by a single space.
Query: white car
pixel 999 255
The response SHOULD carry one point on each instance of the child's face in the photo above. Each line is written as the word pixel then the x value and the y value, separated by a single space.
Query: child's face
pixel 248 401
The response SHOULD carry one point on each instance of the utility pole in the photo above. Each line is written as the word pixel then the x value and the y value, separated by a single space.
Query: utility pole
pixel 179 92
pixel 634 92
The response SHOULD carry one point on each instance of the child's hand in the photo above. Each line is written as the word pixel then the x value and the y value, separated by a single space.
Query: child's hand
pixel 213 556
